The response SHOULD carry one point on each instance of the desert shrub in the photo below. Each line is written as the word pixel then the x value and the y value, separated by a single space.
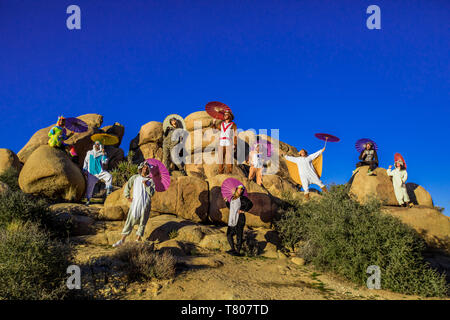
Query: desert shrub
pixel 11 178
pixel 143 262
pixel 32 265
pixel 339 234
pixel 124 171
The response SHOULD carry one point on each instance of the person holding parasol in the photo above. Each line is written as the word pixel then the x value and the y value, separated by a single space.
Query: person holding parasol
pixel 227 138
pixel 399 177
pixel 368 155
pixel 58 134
pixel 93 167
pixel 238 203
pixel 139 212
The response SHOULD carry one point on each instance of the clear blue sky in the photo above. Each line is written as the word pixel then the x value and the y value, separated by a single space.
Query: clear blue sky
pixel 298 66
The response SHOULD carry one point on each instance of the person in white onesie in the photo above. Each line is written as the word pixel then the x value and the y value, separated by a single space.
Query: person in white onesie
pixel 399 177
pixel 306 170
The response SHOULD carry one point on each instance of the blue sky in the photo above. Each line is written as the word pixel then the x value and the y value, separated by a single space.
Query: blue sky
pixel 298 66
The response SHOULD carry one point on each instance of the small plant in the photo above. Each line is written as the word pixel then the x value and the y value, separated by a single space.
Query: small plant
pixel 11 178
pixel 124 171
pixel 32 265
pixel 141 261
pixel 173 234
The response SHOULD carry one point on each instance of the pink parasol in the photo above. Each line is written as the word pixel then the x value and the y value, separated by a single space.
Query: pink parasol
pixel 228 187
pixel 398 157
pixel 327 137
pixel 216 109
pixel 76 125
pixel 159 174
pixel 361 143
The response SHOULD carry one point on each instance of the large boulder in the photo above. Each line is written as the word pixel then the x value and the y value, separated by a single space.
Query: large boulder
pixel 193 199
pixel 204 165
pixel 281 188
pixel 199 116
pixel 115 206
pixel 115 156
pixel 418 195
pixel 431 224
pixel 50 172
pixel 8 160
pixel 151 132
pixel 264 209
pixel 363 187
pixel 116 129
pixel 81 141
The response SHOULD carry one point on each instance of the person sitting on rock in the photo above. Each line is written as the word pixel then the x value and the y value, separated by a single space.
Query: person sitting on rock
pixel 169 144
pixel 139 212
pixel 369 158
pixel 227 142
pixel 58 134
pixel 399 177
pixel 94 162
pixel 306 171
pixel 256 164
pixel 236 219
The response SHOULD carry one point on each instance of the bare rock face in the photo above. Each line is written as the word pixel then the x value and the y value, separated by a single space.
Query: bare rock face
pixel 81 141
pixel 431 224
pixel 199 116
pixel 50 172
pixel 380 186
pixel 418 195
pixel 8 160
pixel 151 132
pixel 116 129
pixel 148 142
pixel 264 209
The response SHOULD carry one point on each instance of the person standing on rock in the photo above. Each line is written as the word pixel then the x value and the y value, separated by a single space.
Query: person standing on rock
pixel 94 162
pixel 58 134
pixel 369 158
pixel 143 190
pixel 227 141
pixel 256 164
pixel 399 177
pixel 169 144
pixel 306 171
pixel 238 204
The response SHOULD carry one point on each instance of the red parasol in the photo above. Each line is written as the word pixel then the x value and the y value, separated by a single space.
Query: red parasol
pixel 361 144
pixel 76 125
pixel 398 157
pixel 327 137
pixel 217 109
pixel 159 174
pixel 228 187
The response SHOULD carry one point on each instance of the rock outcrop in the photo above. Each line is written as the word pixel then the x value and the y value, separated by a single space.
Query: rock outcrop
pixel 8 160
pixel 418 195
pixel 50 172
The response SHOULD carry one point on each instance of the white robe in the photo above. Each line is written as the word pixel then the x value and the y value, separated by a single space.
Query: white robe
pixel 235 206
pixel 306 170
pixel 399 178
pixel 140 198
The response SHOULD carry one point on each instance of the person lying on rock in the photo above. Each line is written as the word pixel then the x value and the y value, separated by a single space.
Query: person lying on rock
pixel 169 144
pixel 238 204
pixel 93 165
pixel 143 190
pixel 399 177
pixel 306 171
pixel 256 164
pixel 227 142
pixel 369 158
pixel 58 134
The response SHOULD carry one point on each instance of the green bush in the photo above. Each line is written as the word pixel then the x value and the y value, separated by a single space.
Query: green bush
pixel 124 171
pixel 143 262
pixel 338 234
pixel 11 178
pixel 32 266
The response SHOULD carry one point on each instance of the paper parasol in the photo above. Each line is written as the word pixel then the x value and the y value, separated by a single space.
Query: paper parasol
pixel 397 157
pixel 76 125
pixel 327 137
pixel 228 187
pixel 217 109
pixel 265 148
pixel 160 175
pixel 361 143
pixel 180 121
pixel 105 139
